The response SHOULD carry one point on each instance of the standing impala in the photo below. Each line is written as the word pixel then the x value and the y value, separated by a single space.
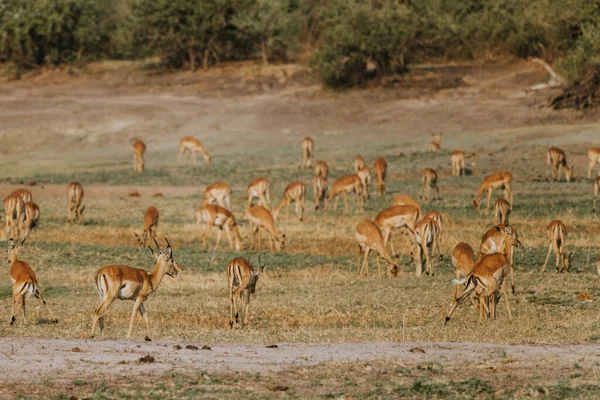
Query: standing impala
pixel 457 161
pixel 557 233
pixel 596 191
pixel 501 211
pixel 14 207
pixel 368 235
pixel 295 193
pixel 436 143
pixel 555 159
pixel 364 174
pixel 308 146
pixel 191 145
pixel 74 198
pixel 343 186
pixel 321 168
pixel 593 156
pixel 259 188
pixel 261 219
pixel 359 162
pixel 500 239
pixel 139 148
pixel 429 181
pixel 437 218
pixel 396 217
pixel 24 282
pixel 219 193
pixel 242 279
pixel 426 237
pixel 380 167
pixel 500 180
pixel 150 225
pixel 126 283
pixel 222 219
pixel 31 217
pixel 320 186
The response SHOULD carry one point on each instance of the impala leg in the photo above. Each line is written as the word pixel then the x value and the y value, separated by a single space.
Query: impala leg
pixel 437 192
pixel 204 231
pixel 365 264
pixel 247 306
pixel 335 203
pixel 271 243
pixel 136 306
pixel 378 265
pixel 558 254
pixel 230 238
pixel 39 296
pixel 504 291
pixel 23 308
pixel 144 315
pixel 345 202
pixel 359 200
pixel 263 200
pixel 19 301
pixel 231 307
pixel 458 300
pixel 98 318
pixel 287 210
pixel 12 311
pixel 219 233
pixel 590 168
pixel 194 155
pixel 547 258
pixel 300 209
pixel 489 198
pixel 259 238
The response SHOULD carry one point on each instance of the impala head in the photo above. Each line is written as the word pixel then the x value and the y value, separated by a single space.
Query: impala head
pixel 208 159
pixel 165 256
pixel 255 275
pixel 141 239
pixel 280 243
pixel 568 260
pixel 13 250
pixel 476 204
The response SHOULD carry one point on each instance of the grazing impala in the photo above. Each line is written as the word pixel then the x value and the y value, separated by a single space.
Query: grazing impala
pixel 308 146
pixel 191 145
pixel 126 283
pixel 368 235
pixel 261 219
pixel 501 211
pixel 74 198
pixel 259 188
pixel 555 159
pixel 321 168
pixel 457 161
pixel 222 219
pixel 429 181
pixel 24 282
pixel 596 190
pixel 150 225
pixel 500 239
pixel 396 217
pixel 139 148
pixel 359 162
pixel 24 193
pixel 487 280
pixel 219 193
pixel 426 239
pixel 593 156
pixel 295 192
pixel 436 144
pixel 320 185
pixel 14 207
pixel 380 167
pixel 557 233
pixel 500 180
pixel 31 217
pixel 242 279
pixel 404 200
pixel 437 218
pixel 462 261
pixel 343 186
pixel 364 174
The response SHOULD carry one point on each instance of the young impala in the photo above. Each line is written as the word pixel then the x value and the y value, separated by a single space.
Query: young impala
pixel 320 186
pixel 500 180
pixel 190 145
pixel 368 235
pixel 295 193
pixel 242 279
pixel 462 261
pixel 555 159
pixel 321 169
pixel 74 198
pixel 396 217
pixel 126 283
pixel 501 211
pixel 139 148
pixel 436 143
pixel 222 219
pixel 261 219
pixel 14 208
pixel 557 233
pixel 259 188
pixel 427 234
pixel 500 239
pixel 596 191
pixel 429 181
pixel 380 167
pixel 308 146
pixel 150 225
pixel 593 156
pixel 343 186
pixel 364 174
pixel 457 161
pixel 359 162
pixel 24 282
pixel 219 193
pixel 31 217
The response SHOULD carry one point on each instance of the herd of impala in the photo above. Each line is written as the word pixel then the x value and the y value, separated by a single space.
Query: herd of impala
pixel 481 279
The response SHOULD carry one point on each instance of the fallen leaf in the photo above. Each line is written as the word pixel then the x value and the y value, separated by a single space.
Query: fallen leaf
pixel 76 350
pixel 191 347
pixel 178 347
pixel 278 388
pixel 272 346
pixel 585 296
pixel 416 350
pixel 147 359
pixel 206 347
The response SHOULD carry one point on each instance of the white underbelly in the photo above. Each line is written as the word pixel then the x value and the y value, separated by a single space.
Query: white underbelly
pixel 127 291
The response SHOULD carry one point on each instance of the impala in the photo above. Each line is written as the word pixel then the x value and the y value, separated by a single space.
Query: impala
pixel 437 218
pixel 368 235
pixel 487 280
pixel 150 225
pixel 426 239
pixel 308 146
pixel 364 174
pixel 126 283
pixel 396 217
pixel 139 148
pixel 555 159
pixel 261 219
pixel 343 186
pixel 321 168
pixel 242 279
pixel 596 190
pixel 14 207
pixel 462 261
pixel 320 185
pixel 259 188
pixel 24 282
pixel 222 219
pixel 557 233
pixel 429 181
pixel 24 193
pixel 380 167
pixel 404 200
pixel 500 180
pixel 31 217
pixel 359 162
pixel 457 161
pixel 593 156
pixel 219 193
pixel 74 198
pixel 191 145
pixel 295 193
pixel 501 211
pixel 436 143
pixel 500 239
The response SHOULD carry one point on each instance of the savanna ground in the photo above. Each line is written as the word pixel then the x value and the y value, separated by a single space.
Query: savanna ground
pixel 337 335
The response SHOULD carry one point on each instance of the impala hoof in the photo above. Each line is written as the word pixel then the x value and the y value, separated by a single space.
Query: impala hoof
pixel 446 321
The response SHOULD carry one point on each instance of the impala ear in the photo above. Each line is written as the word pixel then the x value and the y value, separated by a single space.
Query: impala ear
pixel 497 228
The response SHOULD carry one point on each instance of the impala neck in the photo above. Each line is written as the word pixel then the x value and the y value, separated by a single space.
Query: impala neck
pixel 238 238
pixel 280 205
pixel 158 273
